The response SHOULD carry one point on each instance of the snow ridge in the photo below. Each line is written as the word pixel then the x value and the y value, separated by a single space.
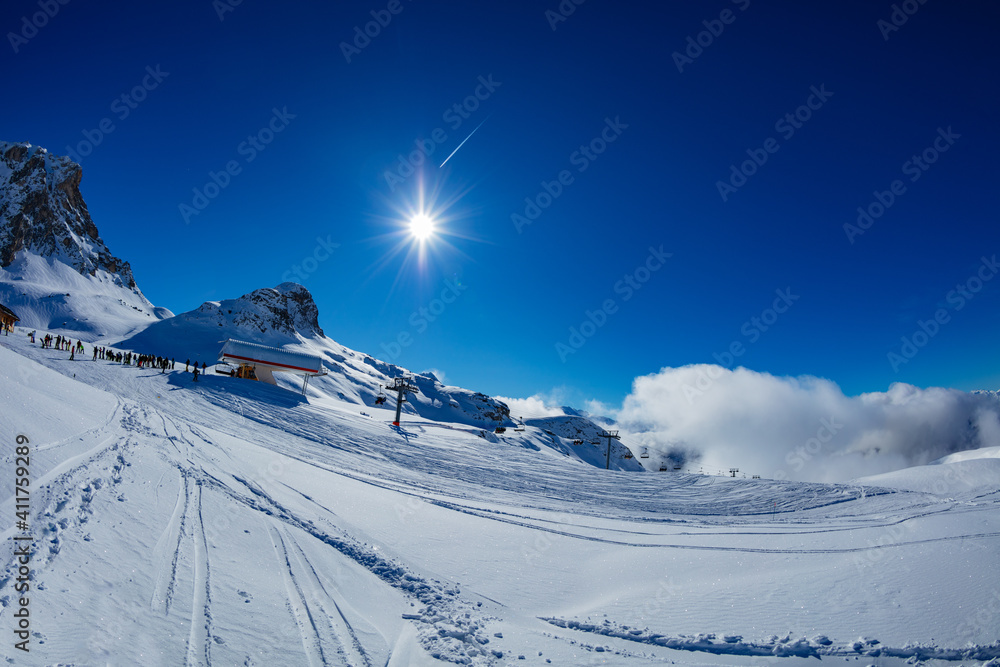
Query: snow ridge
pixel 818 646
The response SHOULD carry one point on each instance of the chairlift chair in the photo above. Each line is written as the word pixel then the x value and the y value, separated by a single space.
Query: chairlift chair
pixel 223 368
pixel 645 453
pixel 578 442
pixel 380 399
pixel 501 429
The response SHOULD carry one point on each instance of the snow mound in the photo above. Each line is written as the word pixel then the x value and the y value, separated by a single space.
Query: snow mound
pixel 970 455
pixel 974 471
pixel 50 295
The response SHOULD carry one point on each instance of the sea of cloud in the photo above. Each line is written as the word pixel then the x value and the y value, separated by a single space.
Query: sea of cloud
pixel 709 418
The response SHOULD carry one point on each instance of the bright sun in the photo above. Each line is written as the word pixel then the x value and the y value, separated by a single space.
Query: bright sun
pixel 421 226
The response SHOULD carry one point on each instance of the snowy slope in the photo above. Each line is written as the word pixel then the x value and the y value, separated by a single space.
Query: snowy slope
pixel 578 437
pixel 49 295
pixel 286 316
pixel 967 472
pixel 229 522
pixel 56 272
pixel 59 276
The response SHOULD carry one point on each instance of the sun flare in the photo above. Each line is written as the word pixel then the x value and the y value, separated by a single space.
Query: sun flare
pixel 421 226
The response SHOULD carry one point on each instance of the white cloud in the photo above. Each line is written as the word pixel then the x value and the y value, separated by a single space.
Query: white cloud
pixel 803 428
pixel 439 374
pixel 539 405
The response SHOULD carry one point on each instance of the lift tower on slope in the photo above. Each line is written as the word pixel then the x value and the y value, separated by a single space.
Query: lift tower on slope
pixel 610 435
pixel 402 387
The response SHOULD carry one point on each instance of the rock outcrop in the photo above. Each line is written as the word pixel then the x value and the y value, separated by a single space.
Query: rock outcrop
pixel 42 211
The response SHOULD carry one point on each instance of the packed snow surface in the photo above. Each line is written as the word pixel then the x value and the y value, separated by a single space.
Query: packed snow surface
pixel 227 522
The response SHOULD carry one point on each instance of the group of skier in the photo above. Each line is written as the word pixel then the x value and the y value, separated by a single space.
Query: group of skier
pixel 66 344
pixel 187 364
pixel 60 343
pixel 131 358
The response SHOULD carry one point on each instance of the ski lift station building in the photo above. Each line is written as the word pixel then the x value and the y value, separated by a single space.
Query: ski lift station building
pixel 261 362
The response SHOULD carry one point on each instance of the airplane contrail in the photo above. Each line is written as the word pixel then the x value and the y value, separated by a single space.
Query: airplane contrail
pixel 463 142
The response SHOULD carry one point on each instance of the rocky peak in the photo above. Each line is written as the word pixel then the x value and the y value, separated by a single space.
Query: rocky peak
pixel 42 211
pixel 284 310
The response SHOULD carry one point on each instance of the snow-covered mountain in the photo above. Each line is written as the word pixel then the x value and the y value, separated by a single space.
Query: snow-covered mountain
pixel 286 316
pixel 232 522
pixel 56 273
pixel 575 435
pixel 235 523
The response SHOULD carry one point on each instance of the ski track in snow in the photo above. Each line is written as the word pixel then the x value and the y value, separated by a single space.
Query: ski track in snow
pixel 200 639
pixel 436 599
pixel 168 549
pixel 349 649
pixel 205 469
pixel 312 641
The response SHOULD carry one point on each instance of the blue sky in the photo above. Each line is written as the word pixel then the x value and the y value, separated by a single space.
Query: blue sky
pixel 620 142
